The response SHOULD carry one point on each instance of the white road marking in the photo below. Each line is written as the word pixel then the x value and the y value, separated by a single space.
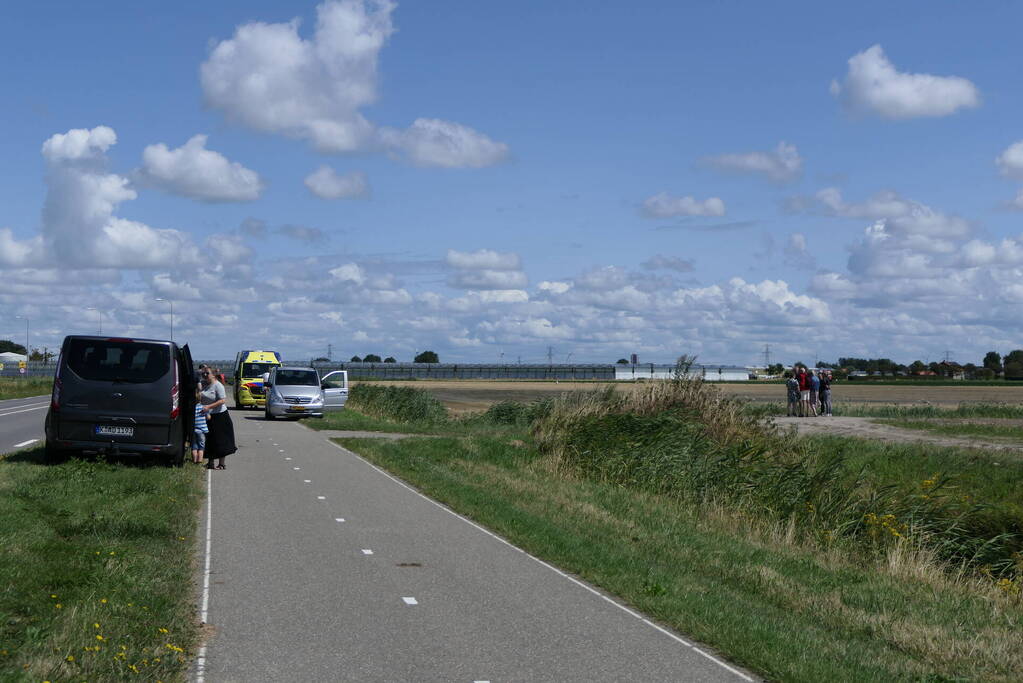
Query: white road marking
pixel 308 481
pixel 321 498
pixel 410 601
pixel 296 468
pixel 287 458
pixel 200 663
pixel 25 443
pixel 280 451
pixel 554 569
pixel 367 551
pixel 24 410
pixel 339 519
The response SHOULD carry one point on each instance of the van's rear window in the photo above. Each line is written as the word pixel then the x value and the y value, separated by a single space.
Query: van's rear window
pixel 118 361
pixel 299 378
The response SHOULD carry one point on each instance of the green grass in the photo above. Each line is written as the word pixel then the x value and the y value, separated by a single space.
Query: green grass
pixel 789 610
pixel 97 568
pixel 960 428
pixel 18 387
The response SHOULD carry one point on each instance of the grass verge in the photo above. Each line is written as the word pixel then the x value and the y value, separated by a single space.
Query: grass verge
pixel 97 567
pixel 24 387
pixel 788 609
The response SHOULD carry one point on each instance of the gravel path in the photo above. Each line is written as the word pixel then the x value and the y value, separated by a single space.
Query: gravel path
pixel 865 428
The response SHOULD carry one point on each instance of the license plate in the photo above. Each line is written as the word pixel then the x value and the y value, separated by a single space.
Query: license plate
pixel 298 408
pixel 114 430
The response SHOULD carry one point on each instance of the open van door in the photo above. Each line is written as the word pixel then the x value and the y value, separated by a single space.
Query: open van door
pixel 186 392
pixel 335 390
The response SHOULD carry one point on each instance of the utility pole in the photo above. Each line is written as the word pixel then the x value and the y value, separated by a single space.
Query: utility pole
pixel 330 351
pixel 767 356
pixel 550 355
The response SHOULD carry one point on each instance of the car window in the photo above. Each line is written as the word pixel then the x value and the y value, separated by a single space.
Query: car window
pixel 112 360
pixel 334 381
pixel 301 378
pixel 256 369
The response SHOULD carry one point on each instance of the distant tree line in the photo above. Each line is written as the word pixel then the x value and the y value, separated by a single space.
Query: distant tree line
pixel 423 357
pixel 993 366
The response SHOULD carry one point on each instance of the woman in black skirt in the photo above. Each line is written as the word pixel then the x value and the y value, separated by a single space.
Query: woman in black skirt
pixel 220 440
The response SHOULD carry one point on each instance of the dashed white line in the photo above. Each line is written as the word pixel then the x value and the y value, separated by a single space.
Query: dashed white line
pixel 339 519
pixel 25 443
pixel 367 551
pixel 296 468
pixel 410 601
pixel 288 458
pixel 321 498
pixel 308 481
pixel 554 569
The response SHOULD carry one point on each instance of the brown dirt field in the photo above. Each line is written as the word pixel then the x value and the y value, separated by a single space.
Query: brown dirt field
pixel 468 395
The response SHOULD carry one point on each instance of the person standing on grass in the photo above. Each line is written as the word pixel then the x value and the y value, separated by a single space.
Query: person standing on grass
pixel 200 431
pixel 792 390
pixel 825 394
pixel 804 391
pixel 220 440
pixel 815 385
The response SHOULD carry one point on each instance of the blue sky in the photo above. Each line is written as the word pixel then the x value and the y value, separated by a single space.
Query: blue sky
pixel 650 177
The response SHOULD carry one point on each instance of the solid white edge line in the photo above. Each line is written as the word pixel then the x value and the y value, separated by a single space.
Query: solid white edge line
pixel 25 443
pixel 200 661
pixel 549 566
pixel 26 410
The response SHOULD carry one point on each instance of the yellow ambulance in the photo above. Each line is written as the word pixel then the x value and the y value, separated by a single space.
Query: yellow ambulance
pixel 249 367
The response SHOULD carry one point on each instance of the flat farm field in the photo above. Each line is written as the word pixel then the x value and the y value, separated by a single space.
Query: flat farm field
pixel 473 395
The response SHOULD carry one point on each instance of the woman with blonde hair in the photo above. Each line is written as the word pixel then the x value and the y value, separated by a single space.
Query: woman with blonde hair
pixel 220 440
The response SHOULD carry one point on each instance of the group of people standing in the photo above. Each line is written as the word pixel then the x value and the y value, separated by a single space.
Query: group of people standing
pixel 213 436
pixel 808 391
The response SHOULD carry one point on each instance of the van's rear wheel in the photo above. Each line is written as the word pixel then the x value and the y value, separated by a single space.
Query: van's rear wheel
pixel 177 457
pixel 53 455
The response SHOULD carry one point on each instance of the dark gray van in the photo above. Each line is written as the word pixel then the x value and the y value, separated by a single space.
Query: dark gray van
pixel 121 397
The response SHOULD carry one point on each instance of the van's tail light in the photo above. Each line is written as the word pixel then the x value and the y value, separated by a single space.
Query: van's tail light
pixel 55 396
pixel 57 385
pixel 175 390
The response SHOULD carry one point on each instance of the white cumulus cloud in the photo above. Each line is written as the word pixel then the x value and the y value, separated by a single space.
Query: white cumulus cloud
pixel 664 205
pixel 780 165
pixel 199 173
pixel 483 259
pixel 325 183
pixel 873 86
pixel 269 78
pixel 433 142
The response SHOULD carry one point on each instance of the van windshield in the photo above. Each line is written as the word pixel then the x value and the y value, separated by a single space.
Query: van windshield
pixel 111 360
pixel 256 369
pixel 300 378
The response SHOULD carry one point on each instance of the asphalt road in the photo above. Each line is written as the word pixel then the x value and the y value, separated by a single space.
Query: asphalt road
pixel 323 568
pixel 21 422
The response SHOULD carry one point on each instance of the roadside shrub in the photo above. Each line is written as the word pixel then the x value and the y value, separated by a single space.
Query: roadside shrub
pixel 403 404
pixel 515 412
pixel 681 438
